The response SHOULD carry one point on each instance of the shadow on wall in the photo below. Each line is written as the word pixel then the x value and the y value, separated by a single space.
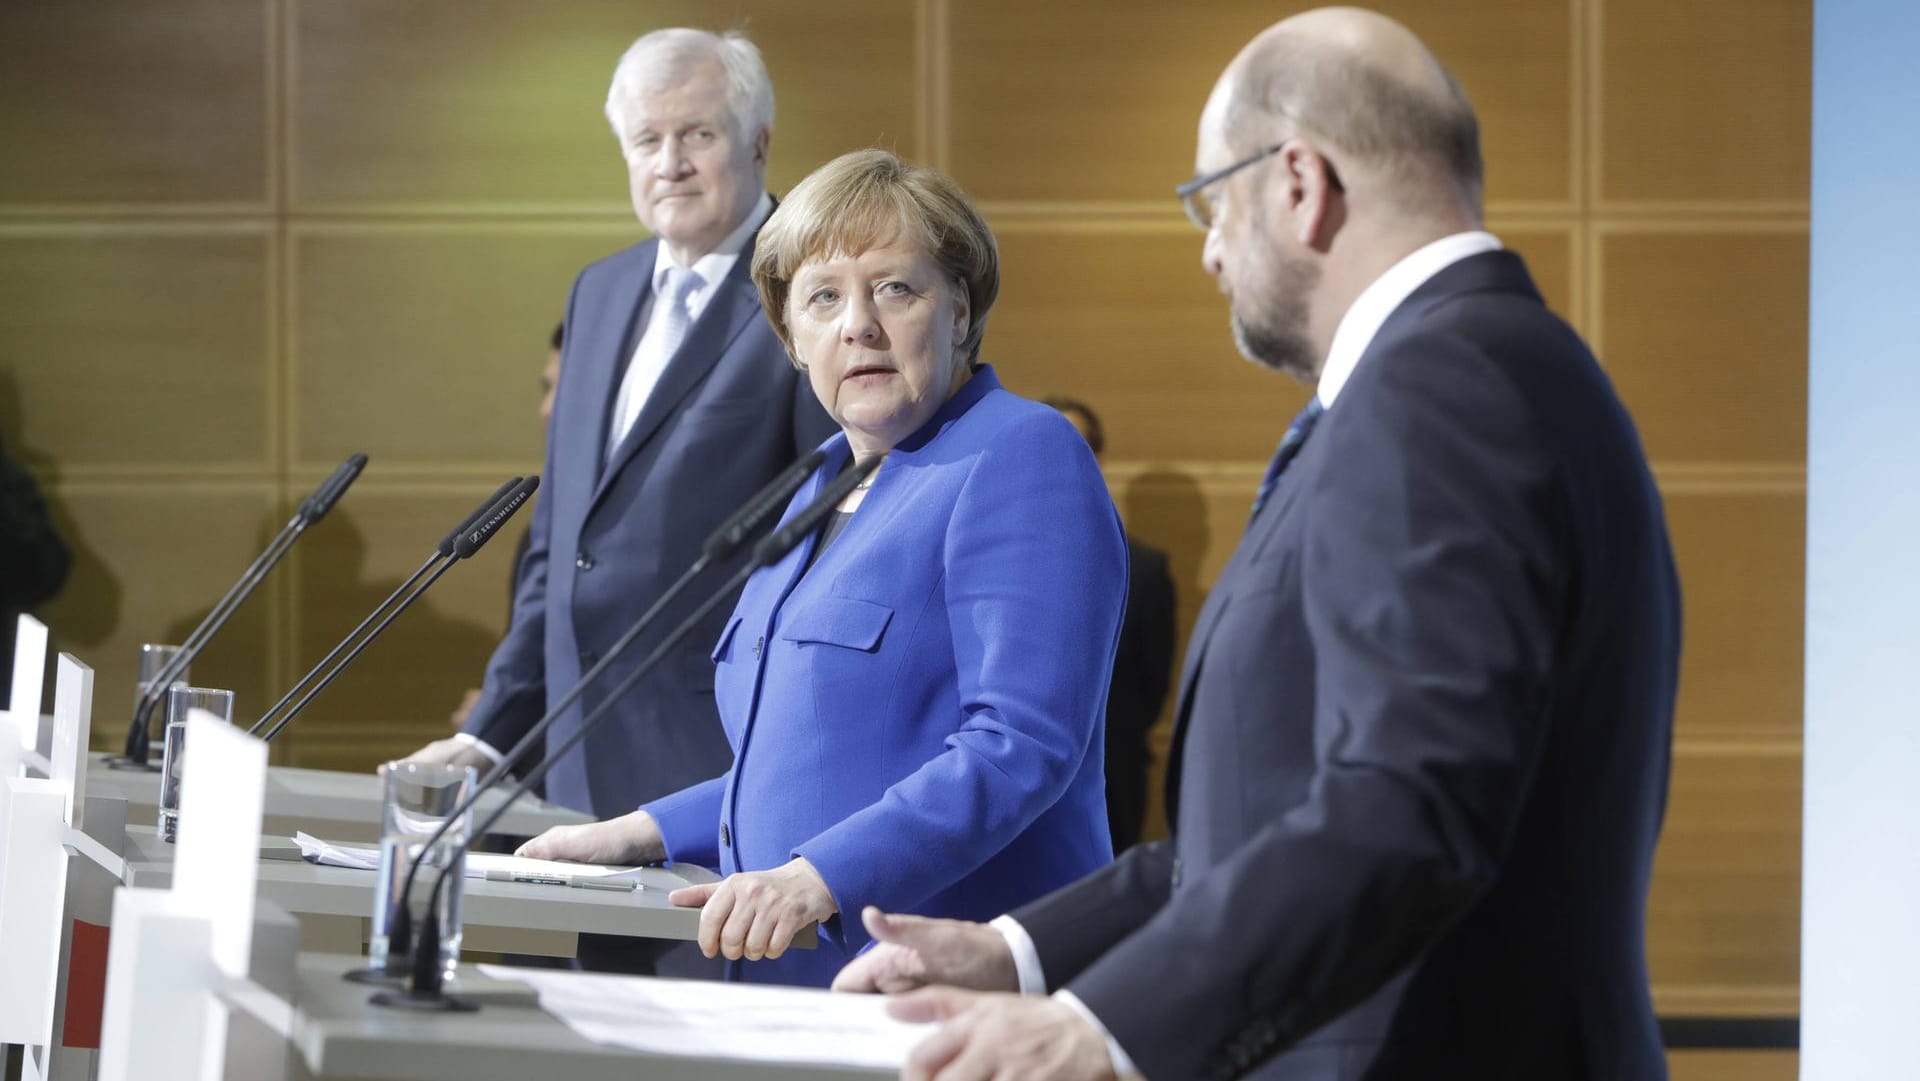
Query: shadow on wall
pixel 395 697
pixel 87 608
pixel 1168 510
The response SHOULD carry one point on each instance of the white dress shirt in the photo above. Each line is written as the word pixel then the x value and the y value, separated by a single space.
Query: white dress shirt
pixel 1351 338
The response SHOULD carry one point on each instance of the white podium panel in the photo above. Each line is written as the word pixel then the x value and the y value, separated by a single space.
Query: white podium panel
pixel 32 891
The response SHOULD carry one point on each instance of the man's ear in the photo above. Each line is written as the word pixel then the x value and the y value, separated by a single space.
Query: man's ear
pixel 760 144
pixel 1312 190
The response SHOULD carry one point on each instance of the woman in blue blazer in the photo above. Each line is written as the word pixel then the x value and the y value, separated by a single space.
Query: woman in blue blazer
pixel 915 695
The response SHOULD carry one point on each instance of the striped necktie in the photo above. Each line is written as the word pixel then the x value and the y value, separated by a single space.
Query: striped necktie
pixel 1288 450
pixel 666 330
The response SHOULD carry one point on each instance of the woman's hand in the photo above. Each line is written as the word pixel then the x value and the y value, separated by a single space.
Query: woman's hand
pixel 631 838
pixel 755 914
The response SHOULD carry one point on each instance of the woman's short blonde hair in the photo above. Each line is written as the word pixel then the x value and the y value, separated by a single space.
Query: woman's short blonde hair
pixel 871 198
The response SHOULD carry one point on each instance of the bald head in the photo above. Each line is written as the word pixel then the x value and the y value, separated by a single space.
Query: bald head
pixel 1391 117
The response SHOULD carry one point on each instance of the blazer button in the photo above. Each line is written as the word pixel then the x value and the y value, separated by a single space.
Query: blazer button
pixel 584 561
pixel 588 658
pixel 1176 873
pixel 725 838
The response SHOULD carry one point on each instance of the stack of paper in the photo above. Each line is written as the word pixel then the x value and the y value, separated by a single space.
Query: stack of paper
pixel 367 858
pixel 700 1019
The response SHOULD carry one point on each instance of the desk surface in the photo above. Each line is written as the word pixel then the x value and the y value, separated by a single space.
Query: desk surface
pixel 304 888
pixel 341 1035
pixel 317 798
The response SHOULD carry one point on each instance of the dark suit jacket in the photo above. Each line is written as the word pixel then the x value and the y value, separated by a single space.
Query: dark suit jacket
pixel 728 413
pixel 1142 669
pixel 1422 743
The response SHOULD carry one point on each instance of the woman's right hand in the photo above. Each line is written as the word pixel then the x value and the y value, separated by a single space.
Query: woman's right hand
pixel 631 838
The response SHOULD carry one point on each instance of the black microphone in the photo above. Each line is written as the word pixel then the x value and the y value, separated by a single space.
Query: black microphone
pixel 311 510
pixel 423 991
pixel 467 538
pixel 442 550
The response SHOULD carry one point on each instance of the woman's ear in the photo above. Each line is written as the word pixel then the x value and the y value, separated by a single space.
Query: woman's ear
pixel 962 313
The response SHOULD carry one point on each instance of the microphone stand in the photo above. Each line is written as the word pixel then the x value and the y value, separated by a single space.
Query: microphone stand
pixel 466 539
pixel 310 511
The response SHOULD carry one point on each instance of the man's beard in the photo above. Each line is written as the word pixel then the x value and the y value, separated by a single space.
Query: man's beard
pixel 1274 334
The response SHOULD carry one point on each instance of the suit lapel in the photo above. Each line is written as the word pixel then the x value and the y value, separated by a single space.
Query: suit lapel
pixel 628 294
pixel 733 306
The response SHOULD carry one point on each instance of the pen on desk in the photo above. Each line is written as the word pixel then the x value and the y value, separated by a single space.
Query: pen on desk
pixel 616 885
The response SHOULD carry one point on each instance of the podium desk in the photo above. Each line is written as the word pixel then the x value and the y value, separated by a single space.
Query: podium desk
pixel 334 904
pixel 340 1035
pixel 336 804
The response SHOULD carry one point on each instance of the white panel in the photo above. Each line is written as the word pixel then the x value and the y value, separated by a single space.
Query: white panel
pixel 159 1000
pixel 29 671
pixel 217 862
pixel 72 723
pixel 31 897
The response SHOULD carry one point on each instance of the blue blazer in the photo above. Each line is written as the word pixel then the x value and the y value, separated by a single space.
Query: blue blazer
pixel 1420 756
pixel 608 535
pixel 920 714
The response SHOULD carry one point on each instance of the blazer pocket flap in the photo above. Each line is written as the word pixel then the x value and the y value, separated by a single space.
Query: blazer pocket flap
pixel 840 621
pixel 726 636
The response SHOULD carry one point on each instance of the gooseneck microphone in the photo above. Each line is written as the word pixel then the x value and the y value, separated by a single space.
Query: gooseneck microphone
pixel 462 542
pixel 311 510
pixel 424 991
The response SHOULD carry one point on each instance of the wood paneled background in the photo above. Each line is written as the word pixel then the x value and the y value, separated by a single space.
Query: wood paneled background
pixel 240 239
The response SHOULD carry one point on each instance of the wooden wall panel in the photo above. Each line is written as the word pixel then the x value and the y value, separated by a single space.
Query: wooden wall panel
pixel 1708 101
pixel 499 104
pixel 115 103
pixel 1131 324
pixel 1723 920
pixel 1733 1065
pixel 149 561
pixel 1742 557
pixel 423 345
pixel 134 346
pixel 407 684
pixel 1039 114
pixel 1705 332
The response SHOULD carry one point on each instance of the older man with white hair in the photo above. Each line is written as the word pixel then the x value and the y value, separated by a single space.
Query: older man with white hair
pixel 675 404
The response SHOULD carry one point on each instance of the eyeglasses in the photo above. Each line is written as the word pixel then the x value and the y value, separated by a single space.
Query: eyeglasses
pixel 1193 194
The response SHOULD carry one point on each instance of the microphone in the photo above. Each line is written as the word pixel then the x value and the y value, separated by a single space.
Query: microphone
pixel 311 510
pixel 423 991
pixel 442 550
pixel 473 532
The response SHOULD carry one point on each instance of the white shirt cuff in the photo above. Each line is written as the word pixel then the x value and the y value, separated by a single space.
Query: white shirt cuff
pixel 477 744
pixel 1123 1067
pixel 1026 959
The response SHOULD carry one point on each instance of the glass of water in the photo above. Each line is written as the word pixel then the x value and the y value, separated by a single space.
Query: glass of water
pixel 419 798
pixel 182 701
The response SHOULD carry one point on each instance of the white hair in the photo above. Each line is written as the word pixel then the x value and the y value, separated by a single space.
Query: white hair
pixel 664 57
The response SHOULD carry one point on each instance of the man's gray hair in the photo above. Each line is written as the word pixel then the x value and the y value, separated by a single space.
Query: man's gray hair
pixel 663 58
pixel 1405 132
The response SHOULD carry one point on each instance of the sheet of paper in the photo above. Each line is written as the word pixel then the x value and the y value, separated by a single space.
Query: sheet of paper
pixel 367 858
pixel 702 1019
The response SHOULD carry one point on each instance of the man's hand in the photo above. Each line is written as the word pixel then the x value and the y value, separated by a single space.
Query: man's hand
pixel 451 752
pixel 631 838
pixel 913 951
pixel 1002 1037
pixel 755 914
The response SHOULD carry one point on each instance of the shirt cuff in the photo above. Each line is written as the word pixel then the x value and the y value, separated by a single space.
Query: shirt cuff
pixel 1026 959
pixel 477 744
pixel 1123 1067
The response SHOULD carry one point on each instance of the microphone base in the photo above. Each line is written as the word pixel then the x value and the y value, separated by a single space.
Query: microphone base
pixel 423 1002
pixel 379 977
pixel 120 762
